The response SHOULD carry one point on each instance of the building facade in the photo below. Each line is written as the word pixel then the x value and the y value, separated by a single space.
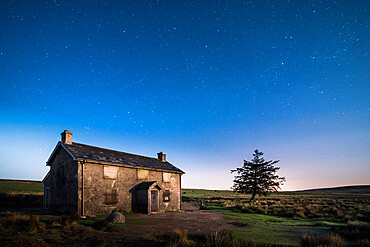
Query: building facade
pixel 90 180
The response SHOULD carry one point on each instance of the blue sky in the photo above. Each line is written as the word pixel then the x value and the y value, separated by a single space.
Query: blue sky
pixel 205 82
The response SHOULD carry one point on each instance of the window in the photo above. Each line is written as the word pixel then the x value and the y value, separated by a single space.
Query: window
pixel 47 197
pixel 110 172
pixel 111 197
pixel 166 177
pixel 142 175
pixel 166 196
pixel 62 174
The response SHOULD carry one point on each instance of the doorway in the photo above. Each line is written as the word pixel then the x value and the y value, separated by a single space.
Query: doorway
pixel 154 201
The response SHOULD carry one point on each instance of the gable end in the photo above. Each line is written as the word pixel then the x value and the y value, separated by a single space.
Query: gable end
pixel 55 151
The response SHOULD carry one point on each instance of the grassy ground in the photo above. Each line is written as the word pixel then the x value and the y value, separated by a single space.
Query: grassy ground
pixel 278 219
pixel 13 186
pixel 204 194
pixel 274 230
pixel 282 218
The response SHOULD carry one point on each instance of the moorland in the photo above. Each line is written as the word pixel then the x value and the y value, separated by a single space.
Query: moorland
pixel 209 218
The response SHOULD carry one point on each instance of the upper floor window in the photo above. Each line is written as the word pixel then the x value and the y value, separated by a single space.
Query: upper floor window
pixel 166 177
pixel 110 172
pixel 142 175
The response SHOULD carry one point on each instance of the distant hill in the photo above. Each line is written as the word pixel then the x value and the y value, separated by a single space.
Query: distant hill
pixel 355 189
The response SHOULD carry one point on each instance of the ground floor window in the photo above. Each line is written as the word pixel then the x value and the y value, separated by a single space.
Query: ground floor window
pixel 166 196
pixel 46 197
pixel 111 197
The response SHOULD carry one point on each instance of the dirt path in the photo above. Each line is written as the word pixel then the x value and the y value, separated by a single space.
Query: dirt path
pixel 193 220
pixel 137 231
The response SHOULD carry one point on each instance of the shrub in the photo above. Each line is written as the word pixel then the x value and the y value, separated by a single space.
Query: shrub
pixel 299 212
pixel 308 240
pixel 228 204
pixel 261 210
pixel 356 230
pixel 357 225
pixel 336 212
pixel 246 208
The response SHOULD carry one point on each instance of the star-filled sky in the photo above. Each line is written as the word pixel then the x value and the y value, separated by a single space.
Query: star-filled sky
pixel 207 82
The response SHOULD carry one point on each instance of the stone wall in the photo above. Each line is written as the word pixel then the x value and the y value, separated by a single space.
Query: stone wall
pixel 63 183
pixel 96 187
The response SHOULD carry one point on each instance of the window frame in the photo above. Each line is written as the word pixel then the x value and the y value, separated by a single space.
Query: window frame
pixel 169 177
pixel 146 178
pixel 47 198
pixel 111 197
pixel 166 194
pixel 106 168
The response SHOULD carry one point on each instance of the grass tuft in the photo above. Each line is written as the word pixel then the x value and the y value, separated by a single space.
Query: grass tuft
pixel 70 220
pixel 18 222
pixel 179 238
pixel 226 238
pixel 308 240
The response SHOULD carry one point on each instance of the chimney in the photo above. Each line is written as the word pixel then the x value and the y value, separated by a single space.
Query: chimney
pixel 162 156
pixel 66 137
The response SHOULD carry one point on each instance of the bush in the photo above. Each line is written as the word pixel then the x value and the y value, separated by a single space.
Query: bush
pixel 308 240
pixel 356 230
pixel 261 210
pixel 357 225
pixel 246 208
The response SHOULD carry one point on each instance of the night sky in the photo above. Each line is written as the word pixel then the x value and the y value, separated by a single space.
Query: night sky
pixel 206 82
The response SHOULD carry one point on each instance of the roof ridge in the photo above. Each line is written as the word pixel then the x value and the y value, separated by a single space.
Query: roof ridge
pixel 118 151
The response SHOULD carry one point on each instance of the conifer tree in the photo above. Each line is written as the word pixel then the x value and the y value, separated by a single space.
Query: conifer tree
pixel 257 177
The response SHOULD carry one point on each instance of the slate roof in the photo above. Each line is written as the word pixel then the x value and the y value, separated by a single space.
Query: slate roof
pixel 101 155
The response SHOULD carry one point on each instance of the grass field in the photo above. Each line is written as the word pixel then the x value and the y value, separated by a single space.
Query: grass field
pixel 282 218
pixel 14 186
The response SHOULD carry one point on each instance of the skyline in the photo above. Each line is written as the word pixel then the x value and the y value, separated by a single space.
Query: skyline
pixel 206 83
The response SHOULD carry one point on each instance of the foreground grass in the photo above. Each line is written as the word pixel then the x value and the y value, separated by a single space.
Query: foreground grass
pixel 274 230
pixel 283 218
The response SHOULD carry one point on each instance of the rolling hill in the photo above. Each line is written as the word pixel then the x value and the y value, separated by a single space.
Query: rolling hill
pixel 355 189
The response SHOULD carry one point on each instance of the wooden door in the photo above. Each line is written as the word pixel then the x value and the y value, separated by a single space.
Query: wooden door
pixel 154 201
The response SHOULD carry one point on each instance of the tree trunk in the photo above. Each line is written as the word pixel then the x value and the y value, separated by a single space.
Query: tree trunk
pixel 253 196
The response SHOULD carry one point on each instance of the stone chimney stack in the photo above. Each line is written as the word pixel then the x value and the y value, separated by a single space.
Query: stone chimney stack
pixel 66 137
pixel 162 156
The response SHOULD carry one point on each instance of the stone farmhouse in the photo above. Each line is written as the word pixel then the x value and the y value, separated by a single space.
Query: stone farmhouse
pixel 90 180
